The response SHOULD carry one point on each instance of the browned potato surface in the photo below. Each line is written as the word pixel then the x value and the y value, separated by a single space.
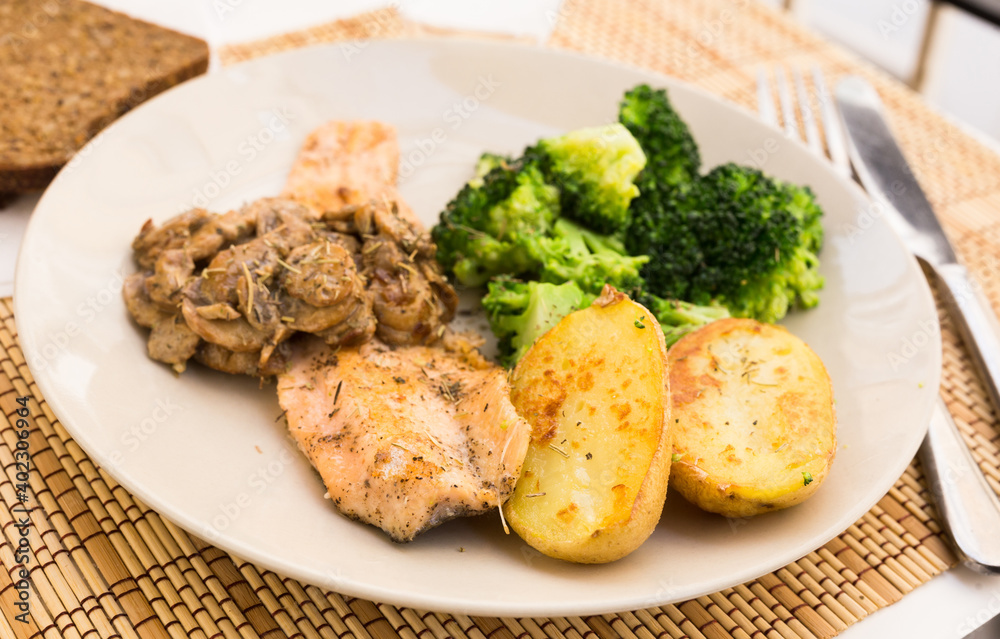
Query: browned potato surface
pixel 754 420
pixel 594 389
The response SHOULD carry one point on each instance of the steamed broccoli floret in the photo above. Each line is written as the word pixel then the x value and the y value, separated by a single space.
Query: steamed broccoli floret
pixel 521 312
pixel 624 205
pixel 591 260
pixel 672 158
pixel 672 165
pixel 677 318
pixel 737 237
pixel 595 170
pixel 492 226
pixel 796 282
pixel 486 163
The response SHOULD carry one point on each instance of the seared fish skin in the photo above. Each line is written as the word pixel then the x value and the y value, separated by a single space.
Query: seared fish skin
pixel 404 438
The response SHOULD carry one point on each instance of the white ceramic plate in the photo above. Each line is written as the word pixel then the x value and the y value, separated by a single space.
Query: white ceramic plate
pixel 205 449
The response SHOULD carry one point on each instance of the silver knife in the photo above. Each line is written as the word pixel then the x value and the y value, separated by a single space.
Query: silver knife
pixel 969 505
pixel 989 630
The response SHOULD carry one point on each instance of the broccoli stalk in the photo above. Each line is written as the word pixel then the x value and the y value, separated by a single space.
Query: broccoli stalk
pixel 521 312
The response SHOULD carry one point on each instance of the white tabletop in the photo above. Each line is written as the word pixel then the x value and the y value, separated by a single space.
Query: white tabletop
pixel 949 606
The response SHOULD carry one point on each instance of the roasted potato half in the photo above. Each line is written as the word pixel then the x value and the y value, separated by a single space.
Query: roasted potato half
pixel 594 389
pixel 754 427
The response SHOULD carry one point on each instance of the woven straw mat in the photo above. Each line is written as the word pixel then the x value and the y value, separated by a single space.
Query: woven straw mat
pixel 105 565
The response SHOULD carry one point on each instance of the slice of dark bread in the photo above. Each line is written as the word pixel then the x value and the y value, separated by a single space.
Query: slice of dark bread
pixel 67 69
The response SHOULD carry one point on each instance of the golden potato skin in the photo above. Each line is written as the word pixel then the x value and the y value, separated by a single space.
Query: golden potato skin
pixel 755 429
pixel 594 389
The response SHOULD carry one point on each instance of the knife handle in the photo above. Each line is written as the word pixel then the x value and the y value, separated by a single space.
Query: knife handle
pixel 977 324
pixel 970 508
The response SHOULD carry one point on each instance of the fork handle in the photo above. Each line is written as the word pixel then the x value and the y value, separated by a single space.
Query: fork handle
pixel 968 504
pixel 977 323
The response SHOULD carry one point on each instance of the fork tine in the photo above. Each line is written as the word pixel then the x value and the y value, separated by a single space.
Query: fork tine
pixel 787 108
pixel 765 101
pixel 805 109
pixel 835 141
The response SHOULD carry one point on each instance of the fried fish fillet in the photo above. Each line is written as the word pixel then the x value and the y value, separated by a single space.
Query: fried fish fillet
pixel 347 163
pixel 408 437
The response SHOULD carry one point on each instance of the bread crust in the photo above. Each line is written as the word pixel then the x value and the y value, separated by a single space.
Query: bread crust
pixel 69 69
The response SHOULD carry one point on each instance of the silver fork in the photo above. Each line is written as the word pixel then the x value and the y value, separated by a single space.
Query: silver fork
pixel 966 501
pixel 836 147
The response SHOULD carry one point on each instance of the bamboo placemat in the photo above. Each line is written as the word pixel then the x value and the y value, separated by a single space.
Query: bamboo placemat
pixel 102 564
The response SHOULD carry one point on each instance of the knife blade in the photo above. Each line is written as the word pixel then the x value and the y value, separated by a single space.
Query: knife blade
pixel 989 630
pixel 885 174
pixel 969 505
